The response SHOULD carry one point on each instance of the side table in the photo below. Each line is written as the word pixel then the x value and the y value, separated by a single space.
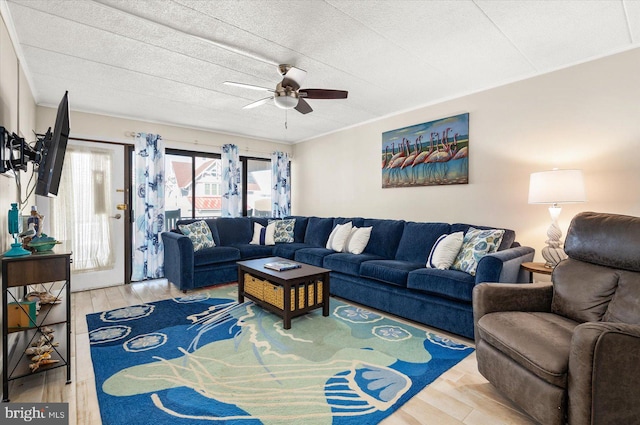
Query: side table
pixel 533 267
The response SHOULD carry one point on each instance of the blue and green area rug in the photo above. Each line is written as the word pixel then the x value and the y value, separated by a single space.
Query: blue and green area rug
pixel 204 359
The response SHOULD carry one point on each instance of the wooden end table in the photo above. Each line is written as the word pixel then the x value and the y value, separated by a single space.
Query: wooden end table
pixel 533 267
pixel 287 293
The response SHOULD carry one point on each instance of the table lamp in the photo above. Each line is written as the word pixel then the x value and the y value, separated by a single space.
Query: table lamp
pixel 556 187
pixel 14 229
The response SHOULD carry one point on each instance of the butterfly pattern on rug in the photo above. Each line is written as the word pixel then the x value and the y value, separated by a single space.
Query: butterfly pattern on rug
pixel 224 361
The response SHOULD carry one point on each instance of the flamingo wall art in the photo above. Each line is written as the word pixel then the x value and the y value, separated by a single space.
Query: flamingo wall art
pixel 427 154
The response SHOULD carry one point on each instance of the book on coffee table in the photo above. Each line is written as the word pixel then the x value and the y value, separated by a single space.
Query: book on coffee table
pixel 282 266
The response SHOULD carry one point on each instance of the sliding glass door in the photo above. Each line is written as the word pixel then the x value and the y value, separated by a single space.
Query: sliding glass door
pixel 194 181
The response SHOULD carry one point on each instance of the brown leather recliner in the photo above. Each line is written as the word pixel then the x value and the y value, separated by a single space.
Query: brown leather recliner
pixel 569 352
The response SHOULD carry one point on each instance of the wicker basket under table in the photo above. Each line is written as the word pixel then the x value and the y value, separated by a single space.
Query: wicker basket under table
pixel 287 293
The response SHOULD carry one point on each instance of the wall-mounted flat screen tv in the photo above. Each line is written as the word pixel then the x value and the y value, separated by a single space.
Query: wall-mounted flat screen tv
pixel 54 146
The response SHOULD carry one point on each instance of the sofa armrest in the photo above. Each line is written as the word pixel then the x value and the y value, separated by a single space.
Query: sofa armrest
pixel 504 266
pixel 604 378
pixel 178 259
pixel 494 297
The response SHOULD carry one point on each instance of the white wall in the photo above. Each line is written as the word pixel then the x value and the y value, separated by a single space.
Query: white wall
pixel 586 116
pixel 17 115
pixel 106 128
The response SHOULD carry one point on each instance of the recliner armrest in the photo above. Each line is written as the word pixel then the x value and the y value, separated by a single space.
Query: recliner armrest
pixel 604 378
pixel 493 297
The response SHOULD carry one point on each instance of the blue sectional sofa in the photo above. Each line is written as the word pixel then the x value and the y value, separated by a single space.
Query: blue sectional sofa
pixel 390 275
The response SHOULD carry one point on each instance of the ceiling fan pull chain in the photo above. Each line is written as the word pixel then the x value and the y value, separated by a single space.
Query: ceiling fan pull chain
pixel 285 120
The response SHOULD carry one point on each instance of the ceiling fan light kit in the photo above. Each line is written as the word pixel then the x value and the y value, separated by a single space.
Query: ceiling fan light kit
pixel 288 94
pixel 285 98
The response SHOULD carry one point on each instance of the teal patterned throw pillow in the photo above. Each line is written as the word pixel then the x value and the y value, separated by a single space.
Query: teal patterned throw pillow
pixel 199 233
pixel 284 230
pixel 476 244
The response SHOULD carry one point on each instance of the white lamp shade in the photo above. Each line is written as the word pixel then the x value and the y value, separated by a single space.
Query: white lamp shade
pixel 557 186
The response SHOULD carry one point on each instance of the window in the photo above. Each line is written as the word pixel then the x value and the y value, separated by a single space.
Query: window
pixel 258 193
pixel 204 198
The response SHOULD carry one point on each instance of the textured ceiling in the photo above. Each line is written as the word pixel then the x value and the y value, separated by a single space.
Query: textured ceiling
pixel 166 60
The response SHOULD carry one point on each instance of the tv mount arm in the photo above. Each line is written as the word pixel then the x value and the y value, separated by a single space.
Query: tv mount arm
pixel 15 153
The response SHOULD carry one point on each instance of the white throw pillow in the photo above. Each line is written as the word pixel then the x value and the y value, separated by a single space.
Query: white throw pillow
pixel 263 235
pixel 445 251
pixel 339 236
pixel 358 240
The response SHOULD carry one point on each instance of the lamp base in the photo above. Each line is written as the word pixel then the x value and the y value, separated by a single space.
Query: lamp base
pixel 553 256
pixel 16 251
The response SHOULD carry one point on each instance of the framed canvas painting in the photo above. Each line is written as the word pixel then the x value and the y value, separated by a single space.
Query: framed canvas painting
pixel 427 154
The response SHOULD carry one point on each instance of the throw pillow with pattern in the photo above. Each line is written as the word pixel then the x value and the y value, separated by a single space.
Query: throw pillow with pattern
pixel 284 230
pixel 476 244
pixel 199 233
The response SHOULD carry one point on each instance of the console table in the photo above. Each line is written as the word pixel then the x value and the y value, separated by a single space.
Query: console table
pixel 51 271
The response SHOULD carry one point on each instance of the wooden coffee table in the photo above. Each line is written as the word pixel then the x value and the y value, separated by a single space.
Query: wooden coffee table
pixel 288 293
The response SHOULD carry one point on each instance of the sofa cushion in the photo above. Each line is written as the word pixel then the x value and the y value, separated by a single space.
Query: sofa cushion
pixel 314 256
pixel 445 251
pixel 476 244
pixel 338 236
pixel 284 230
pixel 248 251
pixel 214 230
pixel 288 250
pixel 355 221
pixel 452 284
pixel 199 234
pixel 358 240
pixel 508 239
pixel 215 255
pixel 539 342
pixel 347 263
pixel 263 235
pixel 263 221
pixel 300 227
pixel 212 227
pixel 418 239
pixel 234 230
pixel 385 237
pixel 390 271
pixel 318 230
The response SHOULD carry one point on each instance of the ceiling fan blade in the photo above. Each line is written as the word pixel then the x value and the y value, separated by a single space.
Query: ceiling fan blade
pixel 258 103
pixel 247 86
pixel 293 77
pixel 303 107
pixel 323 94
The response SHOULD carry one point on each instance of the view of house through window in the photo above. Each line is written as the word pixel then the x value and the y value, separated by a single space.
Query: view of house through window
pixel 204 198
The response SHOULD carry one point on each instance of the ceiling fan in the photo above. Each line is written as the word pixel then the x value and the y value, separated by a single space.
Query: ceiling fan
pixel 288 94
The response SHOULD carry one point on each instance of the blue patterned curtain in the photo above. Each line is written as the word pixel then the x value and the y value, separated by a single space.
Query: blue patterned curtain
pixel 231 197
pixel 148 251
pixel 281 184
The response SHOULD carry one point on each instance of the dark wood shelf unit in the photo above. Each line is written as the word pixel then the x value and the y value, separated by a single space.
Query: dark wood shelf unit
pixel 23 272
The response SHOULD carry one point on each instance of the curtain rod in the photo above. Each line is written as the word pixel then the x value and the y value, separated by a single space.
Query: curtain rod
pixel 195 142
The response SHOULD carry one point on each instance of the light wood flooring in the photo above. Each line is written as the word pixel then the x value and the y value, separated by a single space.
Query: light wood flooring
pixel 460 396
